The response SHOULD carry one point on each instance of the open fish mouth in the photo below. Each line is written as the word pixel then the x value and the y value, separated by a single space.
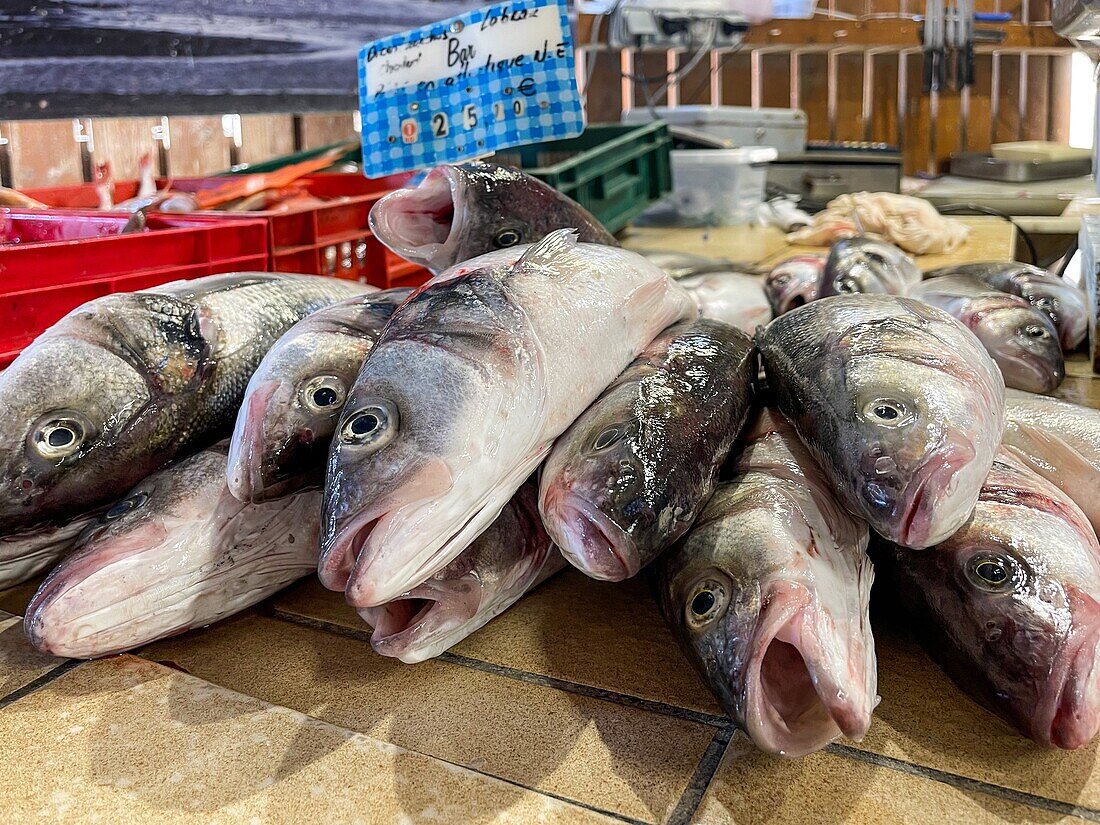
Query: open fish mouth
pixel 1031 372
pixel 423 224
pixel 922 522
pixel 802 690
pixel 423 622
pixel 1068 711
pixel 589 539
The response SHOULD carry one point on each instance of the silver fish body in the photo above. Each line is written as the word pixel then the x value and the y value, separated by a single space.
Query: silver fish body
pixel 1010 606
pixel 632 473
pixel 683 264
pixel 733 298
pixel 25 554
pixel 462 397
pixel 510 558
pixel 179 551
pixel 875 386
pixel 125 383
pixel 794 282
pixel 768 595
pixel 1021 338
pixel 460 212
pixel 864 265
pixel 293 400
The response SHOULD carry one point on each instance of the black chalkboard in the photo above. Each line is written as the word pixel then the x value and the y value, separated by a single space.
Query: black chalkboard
pixel 69 58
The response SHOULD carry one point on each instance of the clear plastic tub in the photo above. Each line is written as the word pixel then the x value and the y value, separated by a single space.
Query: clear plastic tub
pixel 713 187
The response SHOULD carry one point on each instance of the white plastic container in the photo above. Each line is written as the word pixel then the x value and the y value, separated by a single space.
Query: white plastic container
pixel 714 187
pixel 782 129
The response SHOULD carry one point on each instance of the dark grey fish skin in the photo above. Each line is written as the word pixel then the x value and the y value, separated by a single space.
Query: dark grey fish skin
pixel 1009 606
pixel 294 399
pixel 628 478
pixel 178 551
pixel 127 382
pixel 876 386
pixel 864 265
pixel 459 212
pixel 1021 338
pixel 1064 303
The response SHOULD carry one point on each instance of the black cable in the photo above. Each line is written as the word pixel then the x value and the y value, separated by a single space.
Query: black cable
pixel 958 208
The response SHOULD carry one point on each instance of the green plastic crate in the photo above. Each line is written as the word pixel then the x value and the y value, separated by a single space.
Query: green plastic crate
pixel 615 171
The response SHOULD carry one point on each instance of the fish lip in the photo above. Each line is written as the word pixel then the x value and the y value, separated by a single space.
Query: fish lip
pixel 917 523
pixel 245 474
pixel 1068 712
pixel 442 187
pixel 602 551
pixel 333 567
pixel 844 705
pixel 1042 378
pixel 449 605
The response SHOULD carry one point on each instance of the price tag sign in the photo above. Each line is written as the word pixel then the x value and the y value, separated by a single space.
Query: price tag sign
pixel 492 78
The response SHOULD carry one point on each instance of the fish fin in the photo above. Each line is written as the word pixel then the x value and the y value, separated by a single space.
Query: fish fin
pixel 557 243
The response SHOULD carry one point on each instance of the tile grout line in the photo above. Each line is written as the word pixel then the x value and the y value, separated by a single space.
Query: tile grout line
pixel 693 794
pixel 41 681
pixel 964 782
pixel 699 717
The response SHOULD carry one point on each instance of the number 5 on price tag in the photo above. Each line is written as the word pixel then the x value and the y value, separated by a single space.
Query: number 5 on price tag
pixel 492 78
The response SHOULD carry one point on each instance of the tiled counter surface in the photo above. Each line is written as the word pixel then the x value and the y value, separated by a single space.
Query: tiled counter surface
pixel 574 706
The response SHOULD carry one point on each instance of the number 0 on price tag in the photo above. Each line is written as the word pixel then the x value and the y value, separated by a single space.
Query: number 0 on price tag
pixel 486 80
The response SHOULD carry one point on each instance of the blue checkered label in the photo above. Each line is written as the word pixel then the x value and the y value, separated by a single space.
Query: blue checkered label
pixel 489 79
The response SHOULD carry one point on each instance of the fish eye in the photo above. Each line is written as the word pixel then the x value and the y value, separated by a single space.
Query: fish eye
pixel 607 438
pixel 781 280
pixel 846 286
pixel 59 437
pixel 506 238
pixel 126 506
pixel 1035 331
pixel 887 412
pixel 994 572
pixel 323 393
pixel 372 426
pixel 708 601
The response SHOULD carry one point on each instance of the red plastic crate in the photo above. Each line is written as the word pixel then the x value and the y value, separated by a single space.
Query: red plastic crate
pixel 332 239
pixel 52 262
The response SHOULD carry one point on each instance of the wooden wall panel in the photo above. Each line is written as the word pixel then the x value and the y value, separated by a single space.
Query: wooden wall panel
pixel 43 153
pixel 199 147
pixel 320 130
pixel 122 142
pixel 266 136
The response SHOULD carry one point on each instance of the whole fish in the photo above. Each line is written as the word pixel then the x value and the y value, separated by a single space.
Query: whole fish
pixel 1061 442
pixel 865 265
pixel 682 264
pixel 124 383
pixel 768 595
pixel 731 297
pixel 463 395
pixel 899 403
pixel 179 551
pixel 293 401
pixel 794 282
pixel 1064 303
pixel 1021 339
pixel 25 554
pixel 510 558
pixel 1010 606
pixel 459 212
pixel 629 477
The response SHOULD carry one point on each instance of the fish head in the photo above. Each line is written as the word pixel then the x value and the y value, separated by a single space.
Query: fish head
pixel 1012 628
pixel 1060 301
pixel 1024 343
pixel 65 402
pixel 460 212
pixel 794 282
pixel 864 265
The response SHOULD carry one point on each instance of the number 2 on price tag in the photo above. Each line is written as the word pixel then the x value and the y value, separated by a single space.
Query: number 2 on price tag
pixel 439 125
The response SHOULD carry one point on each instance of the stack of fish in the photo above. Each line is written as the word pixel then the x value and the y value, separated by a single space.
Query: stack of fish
pixel 551 399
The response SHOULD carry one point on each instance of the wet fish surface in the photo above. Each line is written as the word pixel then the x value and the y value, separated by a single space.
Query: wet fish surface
pixel 1021 338
pixel 875 386
pixel 459 212
pixel 734 298
pixel 1065 304
pixel 865 265
pixel 178 552
pixel 1009 606
pixel 462 397
pixel 682 264
pixel 124 383
pixel 629 477
pixel 293 400
pixel 25 554
pixel 794 282
pixel 768 596
pixel 509 559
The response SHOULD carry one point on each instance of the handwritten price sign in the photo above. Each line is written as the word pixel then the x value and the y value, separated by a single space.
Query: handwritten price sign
pixel 485 80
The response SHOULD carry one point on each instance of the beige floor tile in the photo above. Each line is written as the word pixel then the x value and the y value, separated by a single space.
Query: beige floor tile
pixel 20 664
pixel 611 757
pixel 751 788
pixel 925 719
pixel 127 741
pixel 608 636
